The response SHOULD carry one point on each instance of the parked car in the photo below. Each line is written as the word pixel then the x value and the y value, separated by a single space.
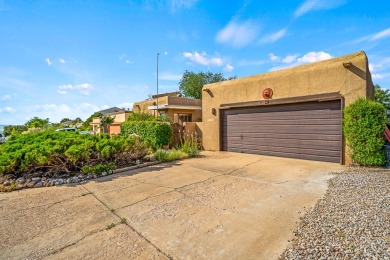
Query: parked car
pixel 87 132
pixel 67 129
pixel 2 138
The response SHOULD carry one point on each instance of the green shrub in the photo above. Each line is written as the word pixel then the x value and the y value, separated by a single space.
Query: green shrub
pixel 364 126
pixel 142 117
pixel 156 133
pixel 58 152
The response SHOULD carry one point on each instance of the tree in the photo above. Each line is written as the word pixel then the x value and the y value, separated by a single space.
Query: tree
pixel 191 83
pixel 65 120
pixel 37 122
pixel 382 96
pixel 106 121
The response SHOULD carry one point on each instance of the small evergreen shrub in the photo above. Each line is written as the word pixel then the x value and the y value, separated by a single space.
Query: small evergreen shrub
pixel 65 152
pixel 364 126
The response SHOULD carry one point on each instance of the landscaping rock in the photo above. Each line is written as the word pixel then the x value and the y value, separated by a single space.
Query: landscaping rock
pixel 350 222
pixel 7 183
pixel 35 179
pixel 38 185
pixel 30 185
pixel 59 181
pixel 20 180
pixel 75 179
pixel 104 173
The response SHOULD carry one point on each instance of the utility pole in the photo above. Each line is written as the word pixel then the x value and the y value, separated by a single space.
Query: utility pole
pixel 158 54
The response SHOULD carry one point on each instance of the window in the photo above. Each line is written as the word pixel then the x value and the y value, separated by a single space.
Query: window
pixel 181 118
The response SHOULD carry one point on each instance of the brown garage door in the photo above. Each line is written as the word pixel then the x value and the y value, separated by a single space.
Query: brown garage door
pixel 310 131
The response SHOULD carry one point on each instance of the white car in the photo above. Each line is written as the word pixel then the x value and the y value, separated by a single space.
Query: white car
pixel 2 138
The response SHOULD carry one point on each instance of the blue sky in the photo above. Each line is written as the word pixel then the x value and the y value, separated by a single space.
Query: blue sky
pixel 70 58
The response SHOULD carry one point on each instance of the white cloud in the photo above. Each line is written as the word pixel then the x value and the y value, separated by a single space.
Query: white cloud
pixel 380 35
pixel 270 38
pixel 165 53
pixel 294 60
pixel 8 109
pixel 314 56
pixel 290 58
pixel 123 57
pixel 83 89
pixel 316 5
pixel 170 76
pixel 178 5
pixel 62 61
pixel 48 61
pixel 203 59
pixel 126 105
pixel 238 34
pixel 372 37
pixel 273 57
pixel 379 67
pixel 5 98
pixel 228 68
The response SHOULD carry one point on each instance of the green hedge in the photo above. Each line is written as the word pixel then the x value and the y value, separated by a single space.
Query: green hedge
pixel 156 133
pixel 364 126
pixel 59 152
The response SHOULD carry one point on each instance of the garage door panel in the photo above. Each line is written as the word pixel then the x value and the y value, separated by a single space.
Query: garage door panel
pixel 290 143
pixel 315 107
pixel 264 149
pixel 292 155
pixel 283 122
pixel 282 130
pixel 311 129
pixel 281 137
pixel 320 114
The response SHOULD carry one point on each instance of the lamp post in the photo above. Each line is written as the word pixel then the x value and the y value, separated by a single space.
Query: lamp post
pixel 158 54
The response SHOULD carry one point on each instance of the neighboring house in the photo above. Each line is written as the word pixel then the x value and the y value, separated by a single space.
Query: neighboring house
pixel 120 116
pixel 111 110
pixel 295 112
pixel 177 108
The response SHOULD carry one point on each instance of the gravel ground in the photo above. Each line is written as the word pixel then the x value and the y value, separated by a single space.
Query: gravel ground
pixel 352 221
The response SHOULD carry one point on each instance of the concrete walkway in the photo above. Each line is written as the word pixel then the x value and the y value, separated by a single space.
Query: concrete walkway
pixel 221 205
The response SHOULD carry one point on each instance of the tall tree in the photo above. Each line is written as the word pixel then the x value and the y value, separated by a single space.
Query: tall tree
pixel 191 83
pixel 382 96
pixel 65 119
pixel 37 122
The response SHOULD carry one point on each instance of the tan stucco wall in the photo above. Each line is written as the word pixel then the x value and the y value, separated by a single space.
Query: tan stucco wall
pixel 316 78
pixel 171 100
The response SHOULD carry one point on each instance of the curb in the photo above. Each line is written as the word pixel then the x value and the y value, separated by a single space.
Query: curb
pixel 135 167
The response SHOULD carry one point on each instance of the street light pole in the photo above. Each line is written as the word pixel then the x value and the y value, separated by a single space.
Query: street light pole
pixel 158 54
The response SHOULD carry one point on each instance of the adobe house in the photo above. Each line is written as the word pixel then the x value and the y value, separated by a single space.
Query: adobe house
pixel 177 108
pixel 295 112
pixel 120 116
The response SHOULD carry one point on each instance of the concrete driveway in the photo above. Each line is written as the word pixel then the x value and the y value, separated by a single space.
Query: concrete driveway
pixel 221 205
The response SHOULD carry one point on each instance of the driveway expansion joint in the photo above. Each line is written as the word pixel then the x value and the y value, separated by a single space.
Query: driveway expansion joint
pixel 130 226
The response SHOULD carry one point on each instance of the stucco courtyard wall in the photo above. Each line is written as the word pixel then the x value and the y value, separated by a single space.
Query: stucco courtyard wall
pixel 329 76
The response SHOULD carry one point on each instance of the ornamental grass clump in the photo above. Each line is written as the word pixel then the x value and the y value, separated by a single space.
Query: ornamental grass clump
pixel 190 146
pixel 364 126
